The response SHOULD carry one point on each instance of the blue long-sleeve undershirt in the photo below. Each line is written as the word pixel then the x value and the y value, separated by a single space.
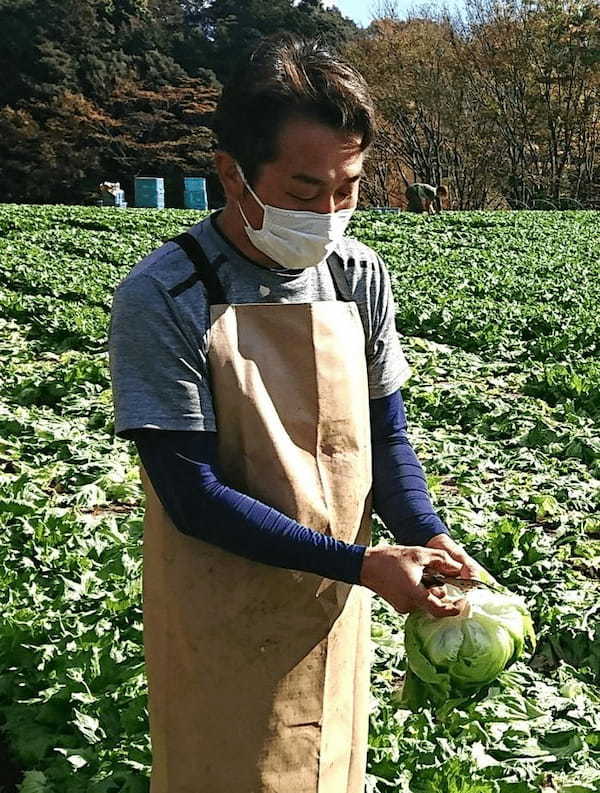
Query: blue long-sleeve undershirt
pixel 183 468
pixel 400 495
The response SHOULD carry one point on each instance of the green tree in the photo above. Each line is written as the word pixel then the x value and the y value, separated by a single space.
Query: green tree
pixel 95 96
pixel 221 31
pixel 107 89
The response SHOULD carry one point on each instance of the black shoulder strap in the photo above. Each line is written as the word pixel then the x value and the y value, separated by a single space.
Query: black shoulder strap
pixel 215 291
pixel 204 269
pixel 340 284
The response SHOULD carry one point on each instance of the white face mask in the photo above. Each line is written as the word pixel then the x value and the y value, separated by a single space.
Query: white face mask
pixel 295 239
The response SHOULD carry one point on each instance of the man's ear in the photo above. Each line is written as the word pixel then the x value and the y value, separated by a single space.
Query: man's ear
pixel 229 176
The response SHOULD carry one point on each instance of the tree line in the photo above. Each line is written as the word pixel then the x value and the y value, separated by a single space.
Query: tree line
pixel 500 103
pixel 104 90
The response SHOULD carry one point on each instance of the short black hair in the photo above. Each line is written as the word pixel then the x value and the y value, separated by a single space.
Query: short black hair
pixel 284 77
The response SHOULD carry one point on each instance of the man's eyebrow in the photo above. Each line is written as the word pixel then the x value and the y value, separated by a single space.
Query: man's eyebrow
pixel 304 177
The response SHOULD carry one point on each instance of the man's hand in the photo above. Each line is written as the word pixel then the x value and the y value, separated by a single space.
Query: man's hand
pixel 394 572
pixel 469 568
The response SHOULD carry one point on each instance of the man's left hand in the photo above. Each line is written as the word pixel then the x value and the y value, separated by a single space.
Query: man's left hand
pixel 470 568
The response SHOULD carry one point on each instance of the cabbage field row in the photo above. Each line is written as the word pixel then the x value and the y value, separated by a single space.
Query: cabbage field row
pixel 499 316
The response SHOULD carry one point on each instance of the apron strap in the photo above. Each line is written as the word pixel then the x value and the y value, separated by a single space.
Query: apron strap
pixel 340 284
pixel 214 288
pixel 204 269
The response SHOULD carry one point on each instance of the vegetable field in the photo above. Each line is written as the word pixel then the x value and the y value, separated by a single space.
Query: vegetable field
pixel 500 319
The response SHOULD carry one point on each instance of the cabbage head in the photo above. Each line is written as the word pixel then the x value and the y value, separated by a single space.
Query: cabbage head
pixel 452 657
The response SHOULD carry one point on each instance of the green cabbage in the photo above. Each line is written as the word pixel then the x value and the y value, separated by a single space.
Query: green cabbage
pixel 452 657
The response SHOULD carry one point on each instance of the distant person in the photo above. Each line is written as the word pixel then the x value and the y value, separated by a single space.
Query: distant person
pixel 425 198
pixel 111 194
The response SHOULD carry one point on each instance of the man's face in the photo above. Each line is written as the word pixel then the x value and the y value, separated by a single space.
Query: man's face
pixel 317 169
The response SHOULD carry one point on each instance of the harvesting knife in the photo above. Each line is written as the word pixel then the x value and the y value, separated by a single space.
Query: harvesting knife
pixel 464 584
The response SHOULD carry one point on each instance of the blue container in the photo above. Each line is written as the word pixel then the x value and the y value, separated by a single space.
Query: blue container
pixel 194 183
pixel 150 192
pixel 194 193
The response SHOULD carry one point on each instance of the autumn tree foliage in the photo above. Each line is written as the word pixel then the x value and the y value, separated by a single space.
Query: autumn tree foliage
pixel 429 126
pixel 502 105
pixel 536 67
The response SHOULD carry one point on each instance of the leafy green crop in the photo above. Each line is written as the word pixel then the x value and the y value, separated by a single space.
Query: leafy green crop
pixel 457 656
pixel 499 318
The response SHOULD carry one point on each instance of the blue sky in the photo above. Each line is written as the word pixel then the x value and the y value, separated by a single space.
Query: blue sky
pixel 358 10
pixel 361 11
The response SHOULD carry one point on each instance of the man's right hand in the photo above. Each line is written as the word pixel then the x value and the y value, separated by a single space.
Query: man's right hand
pixel 395 571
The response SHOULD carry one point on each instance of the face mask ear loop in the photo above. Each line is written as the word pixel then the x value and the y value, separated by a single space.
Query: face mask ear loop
pixel 256 198
pixel 243 214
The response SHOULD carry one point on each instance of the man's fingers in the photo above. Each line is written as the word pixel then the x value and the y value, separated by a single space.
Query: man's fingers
pixel 473 571
pixel 440 560
pixel 440 606
pixel 439 592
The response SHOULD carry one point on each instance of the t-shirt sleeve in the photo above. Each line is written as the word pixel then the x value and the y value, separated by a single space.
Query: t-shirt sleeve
pixel 159 372
pixel 387 366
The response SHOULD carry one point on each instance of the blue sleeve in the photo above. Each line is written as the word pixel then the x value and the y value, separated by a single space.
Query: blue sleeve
pixel 400 495
pixel 183 468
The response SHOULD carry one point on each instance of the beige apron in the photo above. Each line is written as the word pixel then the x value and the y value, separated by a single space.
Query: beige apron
pixel 259 676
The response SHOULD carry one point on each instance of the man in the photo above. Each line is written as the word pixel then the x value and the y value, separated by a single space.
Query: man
pixel 425 198
pixel 256 365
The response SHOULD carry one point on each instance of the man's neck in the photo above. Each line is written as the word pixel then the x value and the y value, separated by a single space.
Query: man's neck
pixel 229 222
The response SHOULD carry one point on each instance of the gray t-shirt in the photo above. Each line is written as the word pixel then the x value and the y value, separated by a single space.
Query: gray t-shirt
pixel 160 320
